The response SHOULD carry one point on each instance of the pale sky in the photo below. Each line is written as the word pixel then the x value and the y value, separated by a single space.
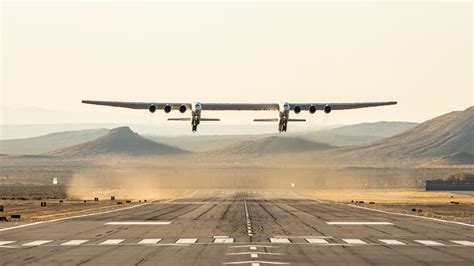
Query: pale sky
pixel 56 54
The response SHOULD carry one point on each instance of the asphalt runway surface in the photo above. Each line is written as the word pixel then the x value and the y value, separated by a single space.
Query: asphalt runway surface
pixel 227 227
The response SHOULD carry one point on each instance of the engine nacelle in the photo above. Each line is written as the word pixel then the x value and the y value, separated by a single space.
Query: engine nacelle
pixel 327 109
pixel 167 108
pixel 182 108
pixel 297 109
pixel 312 109
pixel 152 108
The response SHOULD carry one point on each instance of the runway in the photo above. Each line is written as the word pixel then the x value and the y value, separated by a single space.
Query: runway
pixel 236 227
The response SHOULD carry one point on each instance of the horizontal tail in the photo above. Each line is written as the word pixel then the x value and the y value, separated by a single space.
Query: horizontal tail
pixel 210 119
pixel 266 120
pixel 180 119
pixel 296 120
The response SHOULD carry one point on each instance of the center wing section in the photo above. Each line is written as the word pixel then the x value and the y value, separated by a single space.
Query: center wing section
pixel 240 106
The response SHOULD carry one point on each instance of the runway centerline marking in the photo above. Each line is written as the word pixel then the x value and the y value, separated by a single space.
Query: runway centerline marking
pixel 148 241
pixel 112 242
pixel 74 242
pixel 139 223
pixel 37 243
pixel 247 218
pixel 429 243
pixel 359 223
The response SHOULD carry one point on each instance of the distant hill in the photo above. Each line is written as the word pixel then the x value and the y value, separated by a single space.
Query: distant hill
pixel 118 141
pixel 50 142
pixel 460 158
pixel 358 134
pixel 271 145
pixel 441 136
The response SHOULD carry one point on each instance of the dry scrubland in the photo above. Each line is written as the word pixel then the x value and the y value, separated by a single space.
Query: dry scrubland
pixel 441 205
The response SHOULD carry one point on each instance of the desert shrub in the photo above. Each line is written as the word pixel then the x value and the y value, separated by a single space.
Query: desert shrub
pixel 460 176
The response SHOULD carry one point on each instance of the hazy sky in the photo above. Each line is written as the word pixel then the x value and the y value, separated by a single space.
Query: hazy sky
pixel 56 54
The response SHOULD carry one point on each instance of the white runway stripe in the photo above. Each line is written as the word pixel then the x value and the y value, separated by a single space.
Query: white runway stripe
pixel 463 242
pixel 112 242
pixel 139 223
pixel 317 241
pixel 353 241
pixel 37 243
pixel 359 223
pixel 391 242
pixel 2 243
pixel 186 241
pixel 429 243
pixel 149 241
pixel 279 240
pixel 74 243
pixel 223 240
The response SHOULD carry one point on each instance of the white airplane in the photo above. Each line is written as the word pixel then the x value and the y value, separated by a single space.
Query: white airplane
pixel 283 109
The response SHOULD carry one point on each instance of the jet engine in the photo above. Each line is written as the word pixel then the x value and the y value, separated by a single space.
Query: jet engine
pixel 312 109
pixel 182 108
pixel 152 108
pixel 167 108
pixel 297 109
pixel 327 109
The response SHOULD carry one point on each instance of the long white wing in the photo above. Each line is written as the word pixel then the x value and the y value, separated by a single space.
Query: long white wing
pixel 239 106
pixel 137 105
pixel 340 106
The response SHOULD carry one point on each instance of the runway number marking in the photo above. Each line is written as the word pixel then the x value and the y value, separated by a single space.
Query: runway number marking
pixel 74 242
pixel 354 241
pixel 186 241
pixel 37 243
pixel 149 241
pixel 429 243
pixel 317 241
pixel 464 243
pixel 112 242
pixel 138 223
pixel 359 223
pixel 391 242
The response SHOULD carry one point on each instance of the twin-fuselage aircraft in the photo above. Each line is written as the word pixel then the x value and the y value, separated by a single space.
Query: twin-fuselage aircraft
pixel 283 109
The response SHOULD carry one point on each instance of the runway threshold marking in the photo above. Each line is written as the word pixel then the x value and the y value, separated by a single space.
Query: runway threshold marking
pixel 317 241
pixel 149 241
pixel 255 262
pixel 74 242
pixel 429 243
pixel 37 243
pixel 391 242
pixel 139 223
pixel 223 240
pixel 280 240
pixel 354 241
pixel 186 241
pixel 359 223
pixel 463 242
pixel 112 242
pixel 6 242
